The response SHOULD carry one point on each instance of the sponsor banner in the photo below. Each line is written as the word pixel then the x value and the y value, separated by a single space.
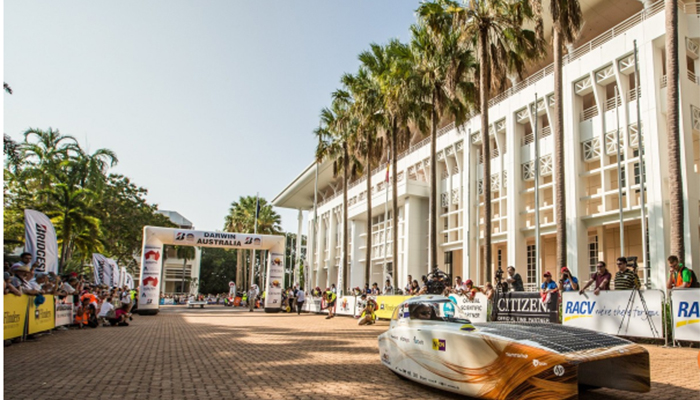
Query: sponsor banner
pixel 113 273
pixel 102 270
pixel 41 318
pixel 606 311
pixel 15 315
pixel 346 305
pixel 476 310
pixel 217 239
pixel 149 288
pixel 168 302
pixel 313 304
pixel 122 277
pixel 275 280
pixel 63 313
pixel 387 305
pixel 686 314
pixel 525 307
pixel 129 281
pixel 40 240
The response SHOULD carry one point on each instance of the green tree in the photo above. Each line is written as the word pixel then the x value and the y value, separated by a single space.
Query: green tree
pixel 217 268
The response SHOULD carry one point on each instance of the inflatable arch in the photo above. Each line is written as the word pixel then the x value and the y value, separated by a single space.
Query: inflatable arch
pixel 152 261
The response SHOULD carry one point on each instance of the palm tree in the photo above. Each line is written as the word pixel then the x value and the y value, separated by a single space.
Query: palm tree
pixel 567 20
pixel 365 100
pixel 186 253
pixel 442 73
pixel 335 141
pixel 672 127
pixel 496 29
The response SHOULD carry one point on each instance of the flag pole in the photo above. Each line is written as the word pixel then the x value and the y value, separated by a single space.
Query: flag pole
pixel 642 172
pixel 538 264
pixel 619 175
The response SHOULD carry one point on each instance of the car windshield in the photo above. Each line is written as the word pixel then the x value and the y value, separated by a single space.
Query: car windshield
pixel 434 310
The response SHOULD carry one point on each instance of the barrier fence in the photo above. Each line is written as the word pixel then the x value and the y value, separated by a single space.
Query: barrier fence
pixel 23 317
pixel 619 312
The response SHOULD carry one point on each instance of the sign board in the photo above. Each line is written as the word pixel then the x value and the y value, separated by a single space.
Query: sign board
pixel 41 318
pixel 345 305
pixel 476 310
pixel 224 240
pixel 275 280
pixel 387 304
pixel 686 314
pixel 605 312
pixel 525 307
pixel 313 304
pixel 15 315
pixel 63 313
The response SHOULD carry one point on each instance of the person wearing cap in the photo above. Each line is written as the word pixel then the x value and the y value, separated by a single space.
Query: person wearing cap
pixel 470 290
pixel 548 287
pixel 27 284
pixel 601 278
pixel 330 297
pixel 567 282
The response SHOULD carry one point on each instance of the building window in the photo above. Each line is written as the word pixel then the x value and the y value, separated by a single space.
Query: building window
pixel 592 253
pixel 531 263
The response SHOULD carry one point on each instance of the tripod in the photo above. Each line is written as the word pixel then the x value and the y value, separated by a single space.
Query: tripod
pixel 628 310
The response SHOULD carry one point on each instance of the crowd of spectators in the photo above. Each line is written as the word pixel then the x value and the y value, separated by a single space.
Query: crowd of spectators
pixel 92 304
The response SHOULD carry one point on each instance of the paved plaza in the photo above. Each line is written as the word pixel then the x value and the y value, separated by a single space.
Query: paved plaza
pixel 219 353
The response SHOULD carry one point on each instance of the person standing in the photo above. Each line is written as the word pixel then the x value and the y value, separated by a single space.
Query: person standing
pixel 388 289
pixel 252 293
pixel 330 302
pixel 681 277
pixel 301 297
pixel 548 287
pixel 601 278
pixel 625 278
pixel 515 281
pixel 567 282
pixel 408 288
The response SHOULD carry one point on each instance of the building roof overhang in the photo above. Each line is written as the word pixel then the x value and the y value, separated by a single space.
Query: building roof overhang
pixel 299 194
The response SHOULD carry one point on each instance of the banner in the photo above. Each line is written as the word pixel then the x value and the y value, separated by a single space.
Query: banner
pixel 41 318
pixel 346 305
pixel 15 315
pixel 686 314
pixel 122 277
pixel 606 311
pixel 151 264
pixel 113 273
pixel 525 307
pixel 476 310
pixel 275 280
pixel 40 240
pixel 387 305
pixel 64 313
pixel 312 304
pixel 102 269
pixel 217 239
pixel 129 281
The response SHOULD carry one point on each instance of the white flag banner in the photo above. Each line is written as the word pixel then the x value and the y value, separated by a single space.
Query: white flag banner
pixel 112 265
pixel 102 269
pixel 40 241
pixel 122 276
pixel 129 281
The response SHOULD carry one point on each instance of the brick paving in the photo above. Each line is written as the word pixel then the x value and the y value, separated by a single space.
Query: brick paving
pixel 225 354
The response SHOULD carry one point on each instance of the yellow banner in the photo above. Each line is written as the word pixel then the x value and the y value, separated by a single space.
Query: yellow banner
pixel 387 305
pixel 15 315
pixel 41 318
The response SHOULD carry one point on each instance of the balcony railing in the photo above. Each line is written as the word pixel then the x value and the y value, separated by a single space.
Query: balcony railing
pixel 589 113
pixel 693 78
pixel 546 131
pixel 613 103
pixel 633 94
pixel 663 82
pixel 527 139
pixel 495 152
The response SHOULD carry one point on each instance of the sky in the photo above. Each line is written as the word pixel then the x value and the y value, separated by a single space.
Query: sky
pixel 203 101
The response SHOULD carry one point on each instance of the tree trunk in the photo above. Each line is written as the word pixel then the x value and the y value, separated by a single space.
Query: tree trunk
pixel 485 86
pixel 559 180
pixel 394 207
pixel 368 250
pixel 432 219
pixel 675 179
pixel 344 259
pixel 239 269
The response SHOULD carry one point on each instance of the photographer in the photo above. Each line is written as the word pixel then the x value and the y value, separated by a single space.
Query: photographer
pixel 515 281
pixel 625 278
pixel 567 282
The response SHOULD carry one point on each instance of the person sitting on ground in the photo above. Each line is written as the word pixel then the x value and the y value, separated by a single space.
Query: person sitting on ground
pixel 548 287
pixel 601 278
pixel 329 297
pixel 106 311
pixel 680 277
pixel 625 278
pixel 514 280
pixel 120 316
pixel 368 316
pixel 568 282
pixel 388 289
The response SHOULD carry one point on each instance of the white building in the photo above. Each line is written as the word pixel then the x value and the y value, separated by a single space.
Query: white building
pixel 599 62
pixel 172 272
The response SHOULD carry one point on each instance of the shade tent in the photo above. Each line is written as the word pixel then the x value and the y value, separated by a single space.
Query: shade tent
pixel 154 238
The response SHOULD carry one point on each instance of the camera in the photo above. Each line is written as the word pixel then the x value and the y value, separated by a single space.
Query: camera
pixel 437 281
pixel 499 274
pixel 632 263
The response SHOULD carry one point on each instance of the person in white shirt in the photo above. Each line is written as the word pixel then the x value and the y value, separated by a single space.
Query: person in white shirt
pixel 106 311
pixel 252 294
pixel 301 297
pixel 388 289
pixel 27 284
